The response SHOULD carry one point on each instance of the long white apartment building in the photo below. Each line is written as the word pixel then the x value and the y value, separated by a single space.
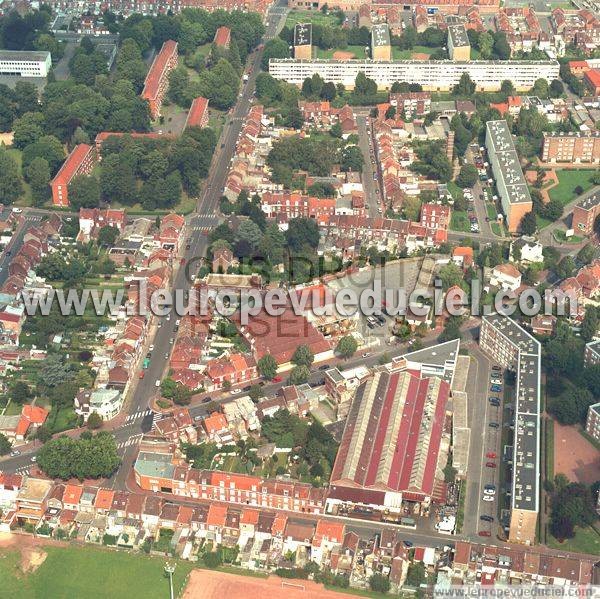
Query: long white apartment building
pixel 433 75
pixel 513 347
pixel 25 63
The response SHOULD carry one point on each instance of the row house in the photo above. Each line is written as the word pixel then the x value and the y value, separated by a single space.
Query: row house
pixel 155 472
pixel 521 26
pixel 296 205
pixel 235 368
pixel 412 104
pixel 91 220
pixel 177 426
pixel 171 232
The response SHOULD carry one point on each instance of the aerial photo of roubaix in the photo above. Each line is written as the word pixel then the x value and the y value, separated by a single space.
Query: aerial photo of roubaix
pixel 299 298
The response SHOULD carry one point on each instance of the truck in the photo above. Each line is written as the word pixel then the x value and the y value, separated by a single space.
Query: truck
pixel 146 363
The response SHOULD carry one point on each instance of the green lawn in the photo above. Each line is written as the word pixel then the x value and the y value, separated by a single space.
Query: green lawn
pixel 460 221
pixel 568 180
pixel 358 51
pixel 549 435
pixel 398 54
pixel 25 199
pixel 311 16
pixel 559 235
pixel 72 572
pixel 586 540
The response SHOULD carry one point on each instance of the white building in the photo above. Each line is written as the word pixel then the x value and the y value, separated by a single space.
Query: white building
pixel 434 75
pixel 505 276
pixel 531 250
pixel 104 402
pixel 25 63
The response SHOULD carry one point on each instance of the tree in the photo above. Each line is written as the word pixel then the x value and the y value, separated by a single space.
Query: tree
pixel 467 176
pixel 212 559
pixel 89 457
pixel 416 575
pixel 267 367
pixel 352 159
pixel 43 434
pixel 275 48
pixel 465 87
pixel 486 44
pixel 27 129
pixel 94 421
pixel 299 375
pixel 38 176
pixel 346 346
pixel 566 267
pixel 5 445
pixel 249 232
pixel 587 253
pixel 451 330
pixel 557 89
pixel 20 392
pixel 379 583
pixel 48 147
pixel 302 232
pixel 501 46
pixel 451 275
pixel 528 223
pixel 363 86
pixel 84 192
pixel 107 236
pixel 303 356
pixel 11 184
pixel 255 393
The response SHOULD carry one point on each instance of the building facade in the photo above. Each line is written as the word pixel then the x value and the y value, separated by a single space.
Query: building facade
pixel 592 424
pixel 586 211
pixel 511 184
pixel 157 79
pixel 79 162
pixel 514 348
pixel 573 147
pixel 459 47
pixel 433 75
pixel 25 63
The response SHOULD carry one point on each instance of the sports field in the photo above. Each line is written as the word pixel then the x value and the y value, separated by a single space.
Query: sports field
pixel 33 570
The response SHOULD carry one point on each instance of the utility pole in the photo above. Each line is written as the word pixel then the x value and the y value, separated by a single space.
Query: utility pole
pixel 169 569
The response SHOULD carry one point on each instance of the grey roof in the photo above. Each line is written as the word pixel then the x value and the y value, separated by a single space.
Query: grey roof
pixel 572 134
pixel 155 464
pixel 303 34
pixel 526 459
pixel 24 55
pixel 591 199
pixel 380 35
pixel 458 35
pixel 438 359
pixel 505 162
pixel 594 347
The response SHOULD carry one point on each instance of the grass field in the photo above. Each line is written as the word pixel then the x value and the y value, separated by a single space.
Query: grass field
pixel 586 540
pixel 560 235
pixel 398 54
pixel 358 51
pixel 460 222
pixel 25 199
pixel 71 572
pixel 568 180
pixel 311 16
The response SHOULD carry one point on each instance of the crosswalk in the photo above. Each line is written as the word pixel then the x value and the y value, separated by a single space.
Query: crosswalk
pixel 137 415
pixel 133 440
pixel 199 229
pixel 157 416
pixel 23 470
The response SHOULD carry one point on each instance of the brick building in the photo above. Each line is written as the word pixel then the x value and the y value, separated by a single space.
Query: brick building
pixel 157 79
pixel 79 162
pixel 198 113
pixel 573 147
pixel 586 211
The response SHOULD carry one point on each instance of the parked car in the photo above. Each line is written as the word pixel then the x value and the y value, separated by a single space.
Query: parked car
pixel 206 400
pixel 486 518
pixel 487 498
pixel 490 464
pixel 484 533
pixel 408 543
pixel 494 425
pixel 15 452
pixel 489 488
pixel 491 454
pixel 157 383
pixel 495 388
pixel 277 379
pixel 493 399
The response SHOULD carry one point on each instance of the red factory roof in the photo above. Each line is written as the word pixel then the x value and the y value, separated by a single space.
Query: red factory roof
pixel 157 70
pixel 367 460
pixel 72 163
pixel 593 76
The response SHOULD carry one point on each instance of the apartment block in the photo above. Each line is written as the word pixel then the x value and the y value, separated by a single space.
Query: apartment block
pixel 591 355
pixel 512 187
pixel 198 114
pixel 514 348
pixel 592 424
pixel 433 75
pixel 459 47
pixel 412 103
pixel 381 46
pixel 303 41
pixel 25 63
pixel 586 211
pixel 573 147
pixel 157 79
pixel 79 162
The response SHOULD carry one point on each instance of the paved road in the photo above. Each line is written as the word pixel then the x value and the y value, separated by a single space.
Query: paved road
pixel 371 186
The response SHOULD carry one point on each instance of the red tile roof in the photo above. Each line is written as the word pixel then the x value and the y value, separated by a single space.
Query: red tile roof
pixel 71 165
pixel 157 70
pixel 197 114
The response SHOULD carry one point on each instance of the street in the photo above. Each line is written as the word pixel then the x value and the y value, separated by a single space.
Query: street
pixel 370 182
